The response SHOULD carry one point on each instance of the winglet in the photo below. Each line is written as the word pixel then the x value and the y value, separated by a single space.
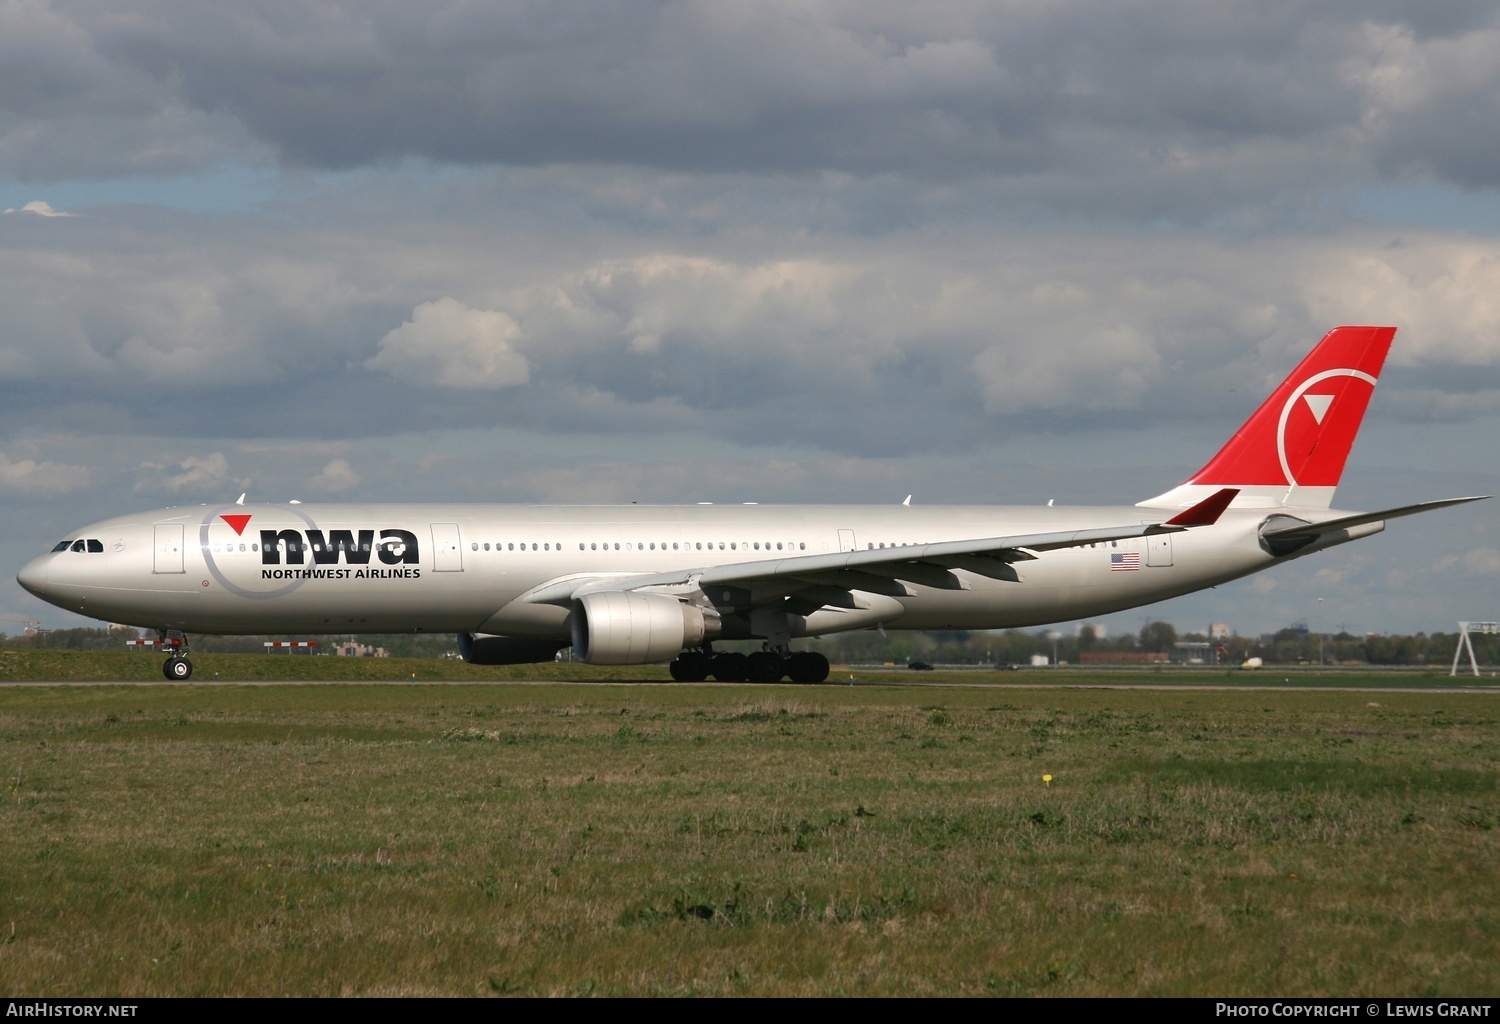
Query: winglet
pixel 1207 511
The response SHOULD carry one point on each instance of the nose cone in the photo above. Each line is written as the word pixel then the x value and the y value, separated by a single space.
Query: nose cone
pixel 34 577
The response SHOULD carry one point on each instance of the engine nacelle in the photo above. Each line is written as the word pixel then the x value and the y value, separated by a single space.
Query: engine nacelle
pixel 620 628
pixel 480 649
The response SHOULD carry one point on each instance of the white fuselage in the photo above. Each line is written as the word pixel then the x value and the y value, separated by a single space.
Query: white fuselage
pixel 468 568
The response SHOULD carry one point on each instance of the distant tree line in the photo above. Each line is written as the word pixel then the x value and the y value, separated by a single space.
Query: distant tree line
pixel 400 645
pixel 1293 645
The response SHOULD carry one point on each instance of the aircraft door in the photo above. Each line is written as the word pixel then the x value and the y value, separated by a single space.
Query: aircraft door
pixel 1159 549
pixel 846 540
pixel 167 548
pixel 447 552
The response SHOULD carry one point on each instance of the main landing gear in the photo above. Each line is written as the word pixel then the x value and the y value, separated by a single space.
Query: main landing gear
pixel 177 668
pixel 760 667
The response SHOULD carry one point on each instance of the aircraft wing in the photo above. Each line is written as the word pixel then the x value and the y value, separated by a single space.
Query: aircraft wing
pixel 820 580
pixel 879 570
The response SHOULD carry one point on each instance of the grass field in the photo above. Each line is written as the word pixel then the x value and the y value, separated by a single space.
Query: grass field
pixel 21 664
pixel 477 839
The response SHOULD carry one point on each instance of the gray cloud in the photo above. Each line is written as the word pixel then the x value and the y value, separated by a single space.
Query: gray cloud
pixel 41 479
pixel 1169 88
pixel 165 324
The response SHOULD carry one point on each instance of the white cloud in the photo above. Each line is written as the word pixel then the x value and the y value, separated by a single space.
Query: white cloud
pixel 1482 562
pixel 336 478
pixel 448 344
pixel 41 479
pixel 198 475
pixel 41 208
pixel 1107 368
pixel 1441 289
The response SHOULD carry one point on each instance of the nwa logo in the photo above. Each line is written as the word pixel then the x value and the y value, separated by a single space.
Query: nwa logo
pixel 396 547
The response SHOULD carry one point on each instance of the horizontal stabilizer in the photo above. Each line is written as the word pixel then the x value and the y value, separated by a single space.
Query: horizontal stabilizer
pixel 1364 518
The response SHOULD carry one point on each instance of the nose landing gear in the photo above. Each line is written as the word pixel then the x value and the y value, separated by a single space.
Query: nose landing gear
pixel 178 668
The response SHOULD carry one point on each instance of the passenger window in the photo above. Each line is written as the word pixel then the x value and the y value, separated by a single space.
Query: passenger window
pixel 475 546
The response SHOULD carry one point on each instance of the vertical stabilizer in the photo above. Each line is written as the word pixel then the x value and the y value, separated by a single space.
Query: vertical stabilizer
pixel 1293 449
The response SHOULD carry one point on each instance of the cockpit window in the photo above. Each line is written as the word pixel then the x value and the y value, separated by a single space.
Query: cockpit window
pixel 62 545
pixel 79 545
pixel 96 546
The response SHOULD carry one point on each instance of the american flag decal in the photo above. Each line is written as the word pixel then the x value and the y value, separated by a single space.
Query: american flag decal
pixel 1125 561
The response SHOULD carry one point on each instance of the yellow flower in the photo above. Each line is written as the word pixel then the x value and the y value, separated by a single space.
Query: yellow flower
pixel 1047 780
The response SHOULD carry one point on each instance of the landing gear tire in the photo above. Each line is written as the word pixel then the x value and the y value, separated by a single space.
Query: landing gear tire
pixel 807 667
pixel 766 667
pixel 178 669
pixel 689 667
pixel 729 667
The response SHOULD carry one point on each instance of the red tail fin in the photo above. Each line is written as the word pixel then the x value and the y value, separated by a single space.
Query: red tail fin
pixel 1292 450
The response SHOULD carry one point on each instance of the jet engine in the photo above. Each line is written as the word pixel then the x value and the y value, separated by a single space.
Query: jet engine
pixel 620 628
pixel 480 649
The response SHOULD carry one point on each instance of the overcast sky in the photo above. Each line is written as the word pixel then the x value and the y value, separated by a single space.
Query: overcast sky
pixel 700 251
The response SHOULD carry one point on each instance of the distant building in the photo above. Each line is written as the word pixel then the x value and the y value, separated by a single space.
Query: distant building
pixel 352 649
pixel 1195 652
pixel 1219 631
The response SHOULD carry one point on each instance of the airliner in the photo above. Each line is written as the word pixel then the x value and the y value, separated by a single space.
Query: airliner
pixel 639 584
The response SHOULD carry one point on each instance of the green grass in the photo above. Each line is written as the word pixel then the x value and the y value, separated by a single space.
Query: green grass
pixel 475 839
pixel 22 664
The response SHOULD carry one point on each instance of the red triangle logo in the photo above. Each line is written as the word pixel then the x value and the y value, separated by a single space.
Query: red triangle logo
pixel 239 522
